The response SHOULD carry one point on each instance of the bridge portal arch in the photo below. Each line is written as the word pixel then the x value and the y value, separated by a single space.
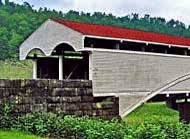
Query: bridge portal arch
pixel 64 62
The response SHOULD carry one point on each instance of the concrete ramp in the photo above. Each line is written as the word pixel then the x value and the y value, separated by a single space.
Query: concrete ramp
pixel 128 103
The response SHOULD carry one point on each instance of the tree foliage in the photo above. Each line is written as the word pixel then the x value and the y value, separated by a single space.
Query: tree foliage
pixel 17 22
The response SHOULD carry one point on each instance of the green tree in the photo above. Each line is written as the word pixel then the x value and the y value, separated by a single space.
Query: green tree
pixel 17 22
pixel 1 3
pixel 3 43
pixel 6 2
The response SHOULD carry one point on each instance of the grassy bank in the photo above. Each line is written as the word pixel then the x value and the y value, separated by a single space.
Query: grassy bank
pixel 17 135
pixel 152 111
pixel 15 69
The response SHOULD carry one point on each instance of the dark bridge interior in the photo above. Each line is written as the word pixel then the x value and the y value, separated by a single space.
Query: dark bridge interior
pixel 135 46
pixel 75 64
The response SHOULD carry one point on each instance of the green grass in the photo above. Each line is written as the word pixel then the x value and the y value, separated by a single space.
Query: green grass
pixel 152 111
pixel 17 135
pixel 15 69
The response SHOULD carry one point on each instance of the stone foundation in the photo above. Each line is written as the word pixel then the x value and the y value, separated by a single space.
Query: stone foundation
pixel 73 97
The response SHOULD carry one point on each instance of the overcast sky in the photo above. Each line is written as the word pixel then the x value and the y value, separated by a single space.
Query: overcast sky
pixel 176 9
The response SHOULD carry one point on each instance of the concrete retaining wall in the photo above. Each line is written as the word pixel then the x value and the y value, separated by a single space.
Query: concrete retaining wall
pixel 71 97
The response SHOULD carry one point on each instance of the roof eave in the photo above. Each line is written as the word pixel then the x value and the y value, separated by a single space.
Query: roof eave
pixel 138 41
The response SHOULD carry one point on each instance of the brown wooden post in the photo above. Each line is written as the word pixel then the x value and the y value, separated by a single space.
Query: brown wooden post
pixel 184 112
pixel 171 103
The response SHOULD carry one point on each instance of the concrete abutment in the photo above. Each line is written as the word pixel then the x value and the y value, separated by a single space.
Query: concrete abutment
pixel 74 97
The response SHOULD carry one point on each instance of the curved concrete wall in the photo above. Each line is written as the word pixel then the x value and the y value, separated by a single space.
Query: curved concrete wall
pixel 183 86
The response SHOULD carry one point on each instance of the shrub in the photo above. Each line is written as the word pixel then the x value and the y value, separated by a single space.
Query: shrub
pixel 72 127
pixel 5 118
pixel 66 126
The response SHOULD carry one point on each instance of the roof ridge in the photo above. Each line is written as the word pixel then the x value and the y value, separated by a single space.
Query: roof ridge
pixel 57 20
pixel 123 33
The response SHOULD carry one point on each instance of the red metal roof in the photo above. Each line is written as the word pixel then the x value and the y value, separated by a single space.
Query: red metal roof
pixel 124 33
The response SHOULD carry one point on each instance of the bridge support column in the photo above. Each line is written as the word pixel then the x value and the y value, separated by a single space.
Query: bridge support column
pixel 90 67
pixel 60 67
pixel 184 112
pixel 34 74
pixel 171 103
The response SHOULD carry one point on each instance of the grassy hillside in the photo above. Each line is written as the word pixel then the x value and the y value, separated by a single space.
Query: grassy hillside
pixel 17 135
pixel 152 111
pixel 15 69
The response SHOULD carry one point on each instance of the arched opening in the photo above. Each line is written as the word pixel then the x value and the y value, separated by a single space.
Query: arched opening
pixel 36 52
pixel 64 63
pixel 62 48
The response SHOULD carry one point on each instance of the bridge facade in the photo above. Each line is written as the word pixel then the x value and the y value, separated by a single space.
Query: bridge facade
pixel 133 65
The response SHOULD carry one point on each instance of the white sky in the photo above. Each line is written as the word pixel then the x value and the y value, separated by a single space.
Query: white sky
pixel 176 9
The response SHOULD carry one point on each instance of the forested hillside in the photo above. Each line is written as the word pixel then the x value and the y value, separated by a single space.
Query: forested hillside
pixel 17 22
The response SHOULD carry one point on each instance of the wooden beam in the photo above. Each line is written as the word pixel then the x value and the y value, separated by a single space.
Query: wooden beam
pixel 34 69
pixel 60 67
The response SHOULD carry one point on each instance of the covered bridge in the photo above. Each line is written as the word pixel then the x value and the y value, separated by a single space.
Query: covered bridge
pixel 135 65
